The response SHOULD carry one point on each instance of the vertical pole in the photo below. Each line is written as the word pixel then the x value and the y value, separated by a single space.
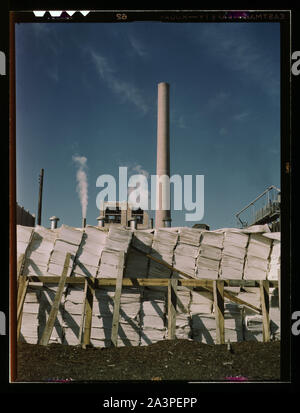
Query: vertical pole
pixel 41 179
pixel 12 203
pixel 89 300
pixel 264 299
pixel 172 303
pixel 218 290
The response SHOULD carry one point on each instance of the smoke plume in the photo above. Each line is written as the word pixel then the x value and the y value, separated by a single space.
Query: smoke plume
pixel 82 184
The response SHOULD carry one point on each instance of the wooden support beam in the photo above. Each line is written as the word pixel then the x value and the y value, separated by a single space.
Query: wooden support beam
pixel 56 302
pixel 22 289
pixel 264 299
pixel 88 314
pixel 172 304
pixel 83 313
pixel 146 282
pixel 218 292
pixel 117 300
pixel 20 265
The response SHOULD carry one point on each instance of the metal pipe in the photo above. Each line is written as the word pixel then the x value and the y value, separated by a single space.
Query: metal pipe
pixel 54 221
pixel 101 221
pixel 41 180
pixel 83 222
pixel 133 224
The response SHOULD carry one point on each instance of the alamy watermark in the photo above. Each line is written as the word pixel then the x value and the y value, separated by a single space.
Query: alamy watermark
pixel 135 191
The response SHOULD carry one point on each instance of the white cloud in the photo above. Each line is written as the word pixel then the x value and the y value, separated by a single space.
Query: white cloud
pixel 137 46
pixel 240 116
pixel 125 90
pixel 235 48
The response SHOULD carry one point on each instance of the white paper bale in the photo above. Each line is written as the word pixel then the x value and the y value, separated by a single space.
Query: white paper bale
pixel 255 268
pixel 256 229
pixel 70 234
pixel 142 240
pixel 208 251
pixel 190 236
pixel 215 239
pixel 24 233
pixel 118 239
pixel 259 246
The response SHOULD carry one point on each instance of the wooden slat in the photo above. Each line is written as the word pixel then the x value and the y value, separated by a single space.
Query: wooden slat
pixel 22 289
pixel 218 292
pixel 20 265
pixel 117 301
pixel 82 313
pixel 146 282
pixel 264 299
pixel 56 302
pixel 172 304
pixel 88 316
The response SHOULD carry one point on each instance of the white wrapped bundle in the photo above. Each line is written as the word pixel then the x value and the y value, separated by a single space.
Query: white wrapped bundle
pixel 185 258
pixel 274 263
pixel 201 302
pixel 207 268
pixel 259 246
pixel 234 251
pixel 165 236
pixel 207 251
pixel 57 269
pixel 190 236
pixel 215 239
pixel 255 268
pixel 153 311
pixel 108 267
pixel 70 234
pixel 95 238
pixel 31 268
pixel 24 233
pixel 118 239
pixel 256 229
pixel 29 328
pixel 231 268
pixel 238 239
pixel 136 265
pixel 84 270
pixel 142 240
pixel 203 328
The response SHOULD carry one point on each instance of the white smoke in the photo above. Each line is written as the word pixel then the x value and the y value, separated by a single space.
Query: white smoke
pixel 82 184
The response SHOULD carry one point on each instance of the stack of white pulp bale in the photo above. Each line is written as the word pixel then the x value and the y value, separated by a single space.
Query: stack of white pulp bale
pixel 38 300
pixel 183 318
pixel 24 235
pixel 129 321
pixel 233 254
pixel 117 240
pixel 202 321
pixel 187 250
pixel 68 241
pixel 258 251
pixel 89 252
pixel 209 257
pixel 153 316
pixel 163 246
pixel 136 262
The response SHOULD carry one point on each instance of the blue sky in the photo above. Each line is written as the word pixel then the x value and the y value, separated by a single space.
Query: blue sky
pixel 90 90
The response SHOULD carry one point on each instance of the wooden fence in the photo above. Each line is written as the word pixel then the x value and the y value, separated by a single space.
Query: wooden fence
pixel 91 283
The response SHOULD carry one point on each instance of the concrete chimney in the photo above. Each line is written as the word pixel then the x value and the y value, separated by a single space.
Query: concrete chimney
pixel 54 221
pixel 163 152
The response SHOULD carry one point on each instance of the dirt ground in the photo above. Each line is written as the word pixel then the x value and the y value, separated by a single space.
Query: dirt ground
pixel 166 360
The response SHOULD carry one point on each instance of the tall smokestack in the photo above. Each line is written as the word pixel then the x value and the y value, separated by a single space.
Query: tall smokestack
pixel 163 152
pixel 83 222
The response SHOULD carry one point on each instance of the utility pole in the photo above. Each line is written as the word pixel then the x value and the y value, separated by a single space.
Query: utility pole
pixel 41 179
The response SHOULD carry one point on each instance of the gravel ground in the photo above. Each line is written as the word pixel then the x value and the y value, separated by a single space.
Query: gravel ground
pixel 183 360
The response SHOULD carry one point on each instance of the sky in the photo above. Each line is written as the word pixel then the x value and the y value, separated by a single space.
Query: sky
pixel 86 104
